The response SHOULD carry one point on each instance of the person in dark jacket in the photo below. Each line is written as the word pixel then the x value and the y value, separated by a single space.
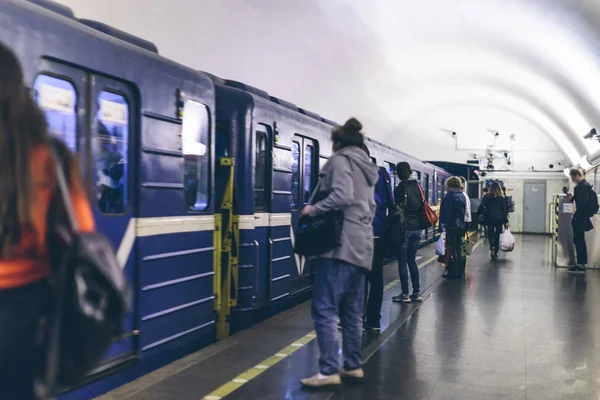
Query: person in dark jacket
pixel 408 196
pixel 347 184
pixel 452 221
pixel 495 213
pixel 384 201
pixel 581 219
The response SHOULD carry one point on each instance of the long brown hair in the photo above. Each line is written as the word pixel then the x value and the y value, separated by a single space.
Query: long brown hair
pixel 22 125
pixel 496 190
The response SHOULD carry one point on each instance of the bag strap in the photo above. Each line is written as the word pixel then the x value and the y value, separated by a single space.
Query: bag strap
pixel 63 189
pixel 422 193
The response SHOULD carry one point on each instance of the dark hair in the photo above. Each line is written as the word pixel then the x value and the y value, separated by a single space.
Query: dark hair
pixel 348 134
pixel 495 190
pixel 364 148
pixel 485 190
pixel 503 189
pixel 403 171
pixel 576 172
pixel 22 126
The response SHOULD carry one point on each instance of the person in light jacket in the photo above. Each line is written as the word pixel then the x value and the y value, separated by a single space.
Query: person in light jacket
pixel 347 183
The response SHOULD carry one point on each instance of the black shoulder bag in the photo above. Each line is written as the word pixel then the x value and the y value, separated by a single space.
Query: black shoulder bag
pixel 322 233
pixel 91 299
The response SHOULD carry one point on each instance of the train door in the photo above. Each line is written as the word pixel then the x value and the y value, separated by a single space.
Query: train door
pixel 112 136
pixel 305 171
pixel 262 209
pixel 96 117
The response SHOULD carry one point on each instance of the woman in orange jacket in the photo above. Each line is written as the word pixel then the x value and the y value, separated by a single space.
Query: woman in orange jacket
pixel 27 186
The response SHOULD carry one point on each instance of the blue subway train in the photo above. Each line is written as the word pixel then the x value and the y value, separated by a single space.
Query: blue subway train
pixel 197 180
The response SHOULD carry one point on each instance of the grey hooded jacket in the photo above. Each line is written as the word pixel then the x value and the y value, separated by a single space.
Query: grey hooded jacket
pixel 348 178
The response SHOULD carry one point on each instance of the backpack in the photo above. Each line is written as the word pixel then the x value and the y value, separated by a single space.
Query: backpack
pixel 593 203
pixel 90 293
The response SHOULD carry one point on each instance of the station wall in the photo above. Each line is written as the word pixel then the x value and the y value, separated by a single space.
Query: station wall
pixel 515 185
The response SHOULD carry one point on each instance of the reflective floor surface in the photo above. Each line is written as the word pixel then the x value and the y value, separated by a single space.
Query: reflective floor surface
pixel 516 328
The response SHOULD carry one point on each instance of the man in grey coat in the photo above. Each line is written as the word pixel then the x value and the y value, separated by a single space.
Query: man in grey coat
pixel 347 183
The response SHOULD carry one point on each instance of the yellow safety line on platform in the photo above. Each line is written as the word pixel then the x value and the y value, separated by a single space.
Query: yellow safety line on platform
pixel 264 365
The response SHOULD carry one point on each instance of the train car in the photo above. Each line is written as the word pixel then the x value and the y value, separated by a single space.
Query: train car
pixel 119 105
pixel 469 172
pixel 197 181
pixel 276 150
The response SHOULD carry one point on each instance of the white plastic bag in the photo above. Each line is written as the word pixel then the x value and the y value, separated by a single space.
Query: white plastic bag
pixel 507 241
pixel 440 248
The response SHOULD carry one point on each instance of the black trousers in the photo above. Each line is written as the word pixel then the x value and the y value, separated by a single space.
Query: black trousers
pixel 20 312
pixel 580 246
pixel 456 267
pixel 494 232
pixel 374 286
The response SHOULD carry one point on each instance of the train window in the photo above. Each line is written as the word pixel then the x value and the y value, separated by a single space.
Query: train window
pixel 111 139
pixel 374 160
pixel 426 187
pixel 195 133
pixel 416 175
pixel 308 172
pixel 58 99
pixel 295 175
pixel 260 182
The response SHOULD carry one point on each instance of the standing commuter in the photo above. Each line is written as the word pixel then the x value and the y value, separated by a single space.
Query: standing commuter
pixel 485 192
pixel 494 210
pixel 27 185
pixel 408 196
pixel 383 202
pixel 452 221
pixel 347 184
pixel 586 207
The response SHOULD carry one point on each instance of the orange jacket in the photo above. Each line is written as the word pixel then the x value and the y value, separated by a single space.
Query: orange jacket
pixel 30 261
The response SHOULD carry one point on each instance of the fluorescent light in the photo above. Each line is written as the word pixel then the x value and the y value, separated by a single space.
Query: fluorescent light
pixel 583 163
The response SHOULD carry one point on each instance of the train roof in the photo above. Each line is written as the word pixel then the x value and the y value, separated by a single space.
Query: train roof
pixel 99 26
pixel 266 96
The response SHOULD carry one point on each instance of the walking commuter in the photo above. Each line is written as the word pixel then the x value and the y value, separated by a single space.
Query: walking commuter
pixel 374 294
pixel 408 196
pixel 495 215
pixel 347 184
pixel 27 184
pixel 586 207
pixel 453 221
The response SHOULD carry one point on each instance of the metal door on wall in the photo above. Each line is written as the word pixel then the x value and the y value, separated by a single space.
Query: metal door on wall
pixel 534 210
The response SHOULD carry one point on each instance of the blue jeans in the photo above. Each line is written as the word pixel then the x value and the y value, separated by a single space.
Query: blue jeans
pixel 339 290
pixel 408 255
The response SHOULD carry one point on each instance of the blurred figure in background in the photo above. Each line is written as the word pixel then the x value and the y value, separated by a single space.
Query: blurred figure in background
pixel 27 186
